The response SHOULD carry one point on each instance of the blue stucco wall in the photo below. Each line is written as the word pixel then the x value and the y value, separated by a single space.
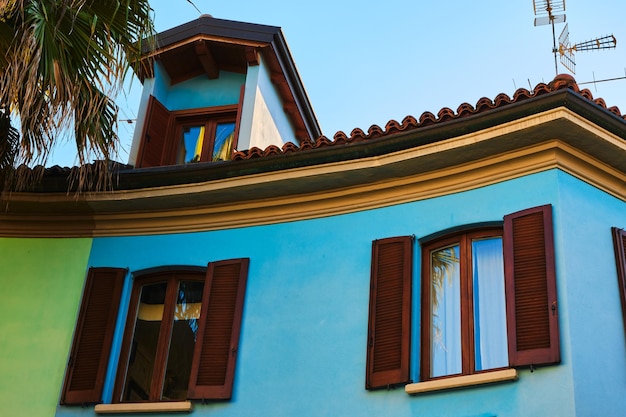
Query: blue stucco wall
pixel 303 342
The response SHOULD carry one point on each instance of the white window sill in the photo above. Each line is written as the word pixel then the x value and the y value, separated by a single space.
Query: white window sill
pixel 164 407
pixel 462 381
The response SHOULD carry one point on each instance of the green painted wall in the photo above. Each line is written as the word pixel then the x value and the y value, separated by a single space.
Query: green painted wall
pixel 40 287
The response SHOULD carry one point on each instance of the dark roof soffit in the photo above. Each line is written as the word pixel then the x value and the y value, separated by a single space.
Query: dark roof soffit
pixel 210 26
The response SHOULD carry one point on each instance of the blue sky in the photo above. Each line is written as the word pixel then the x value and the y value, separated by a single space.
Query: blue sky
pixel 365 63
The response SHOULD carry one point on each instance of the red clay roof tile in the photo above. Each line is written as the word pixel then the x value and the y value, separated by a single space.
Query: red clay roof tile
pixel 562 81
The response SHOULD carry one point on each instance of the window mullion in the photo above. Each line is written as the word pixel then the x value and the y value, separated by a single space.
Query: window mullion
pixel 467 348
pixel 209 140
pixel 160 362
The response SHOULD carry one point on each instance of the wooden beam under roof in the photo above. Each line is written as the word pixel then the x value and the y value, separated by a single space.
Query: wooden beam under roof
pixel 203 52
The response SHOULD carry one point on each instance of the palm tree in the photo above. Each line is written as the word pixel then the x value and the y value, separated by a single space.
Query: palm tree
pixel 61 62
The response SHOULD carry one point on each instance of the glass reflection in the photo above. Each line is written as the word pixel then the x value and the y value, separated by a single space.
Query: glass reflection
pixel 144 344
pixel 191 142
pixel 224 138
pixel 445 304
pixel 183 340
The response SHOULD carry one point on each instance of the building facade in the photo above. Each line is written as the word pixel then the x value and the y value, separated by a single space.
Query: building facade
pixel 469 263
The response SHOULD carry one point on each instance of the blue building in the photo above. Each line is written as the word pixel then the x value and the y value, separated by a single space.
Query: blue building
pixel 469 263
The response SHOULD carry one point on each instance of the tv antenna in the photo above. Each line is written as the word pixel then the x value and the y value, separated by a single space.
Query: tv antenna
pixel 566 51
pixel 544 12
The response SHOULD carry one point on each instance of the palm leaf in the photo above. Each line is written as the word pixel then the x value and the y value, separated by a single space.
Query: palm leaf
pixel 63 62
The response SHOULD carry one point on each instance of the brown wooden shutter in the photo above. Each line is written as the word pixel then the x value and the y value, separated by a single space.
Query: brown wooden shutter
pixel 530 280
pixel 89 357
pixel 152 151
pixel 215 354
pixel 389 331
pixel 619 241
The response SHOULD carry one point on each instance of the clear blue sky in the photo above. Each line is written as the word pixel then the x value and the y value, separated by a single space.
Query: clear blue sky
pixel 365 63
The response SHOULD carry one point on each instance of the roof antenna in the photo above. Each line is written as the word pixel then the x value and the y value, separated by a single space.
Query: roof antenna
pixel 546 7
pixel 544 10
pixel 195 7
pixel 567 51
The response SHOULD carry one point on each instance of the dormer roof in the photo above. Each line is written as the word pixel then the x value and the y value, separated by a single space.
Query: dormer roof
pixel 208 45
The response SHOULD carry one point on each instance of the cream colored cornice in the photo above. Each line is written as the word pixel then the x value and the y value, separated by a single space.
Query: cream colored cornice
pixel 556 139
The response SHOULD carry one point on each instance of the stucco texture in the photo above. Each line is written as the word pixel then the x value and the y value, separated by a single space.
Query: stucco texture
pixel 40 289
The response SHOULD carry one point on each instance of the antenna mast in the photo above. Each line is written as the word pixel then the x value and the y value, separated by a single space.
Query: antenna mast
pixel 544 10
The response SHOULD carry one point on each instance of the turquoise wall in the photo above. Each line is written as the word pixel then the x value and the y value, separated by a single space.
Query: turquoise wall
pixel 201 92
pixel 41 281
pixel 196 92
pixel 597 341
pixel 303 341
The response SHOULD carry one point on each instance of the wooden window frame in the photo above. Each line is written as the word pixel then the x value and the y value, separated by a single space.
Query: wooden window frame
pixel 172 278
pixel 215 277
pixel 527 244
pixel 163 129
pixel 210 118
pixel 464 241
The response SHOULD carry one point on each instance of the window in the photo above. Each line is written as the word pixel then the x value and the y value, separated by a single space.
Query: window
pixel 619 241
pixel 207 139
pixel 488 301
pixel 182 137
pixel 463 305
pixel 180 339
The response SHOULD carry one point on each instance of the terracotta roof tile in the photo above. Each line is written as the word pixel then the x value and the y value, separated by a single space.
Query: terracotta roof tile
pixel 409 123
pixel 446 114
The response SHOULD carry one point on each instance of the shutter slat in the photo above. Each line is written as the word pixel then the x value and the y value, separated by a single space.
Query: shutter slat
pixel 155 135
pixel 619 243
pixel 530 276
pixel 93 336
pixel 390 309
pixel 215 354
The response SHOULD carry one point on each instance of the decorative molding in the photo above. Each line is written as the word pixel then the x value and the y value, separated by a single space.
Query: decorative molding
pixel 458 164
pixel 163 407
pixel 491 377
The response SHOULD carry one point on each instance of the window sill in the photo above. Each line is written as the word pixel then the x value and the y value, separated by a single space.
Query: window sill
pixel 462 381
pixel 164 407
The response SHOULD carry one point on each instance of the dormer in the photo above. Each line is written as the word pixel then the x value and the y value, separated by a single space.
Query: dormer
pixel 214 86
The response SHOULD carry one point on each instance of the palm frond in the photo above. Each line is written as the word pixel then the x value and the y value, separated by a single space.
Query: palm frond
pixel 62 63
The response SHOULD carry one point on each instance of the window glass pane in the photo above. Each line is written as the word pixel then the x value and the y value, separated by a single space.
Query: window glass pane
pixel 190 146
pixel 183 340
pixel 445 304
pixel 224 138
pixel 490 340
pixel 144 344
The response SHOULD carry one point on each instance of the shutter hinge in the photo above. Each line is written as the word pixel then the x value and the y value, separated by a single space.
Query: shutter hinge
pixel 553 308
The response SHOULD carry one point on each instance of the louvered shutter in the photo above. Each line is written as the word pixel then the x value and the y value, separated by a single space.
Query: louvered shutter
pixel 93 336
pixel 154 141
pixel 215 354
pixel 619 241
pixel 389 313
pixel 530 282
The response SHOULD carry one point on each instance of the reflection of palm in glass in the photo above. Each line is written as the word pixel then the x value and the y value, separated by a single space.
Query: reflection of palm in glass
pixel 191 144
pixel 446 313
pixel 224 138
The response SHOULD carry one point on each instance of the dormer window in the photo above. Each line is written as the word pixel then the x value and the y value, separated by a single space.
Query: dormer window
pixel 187 136
pixel 206 140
